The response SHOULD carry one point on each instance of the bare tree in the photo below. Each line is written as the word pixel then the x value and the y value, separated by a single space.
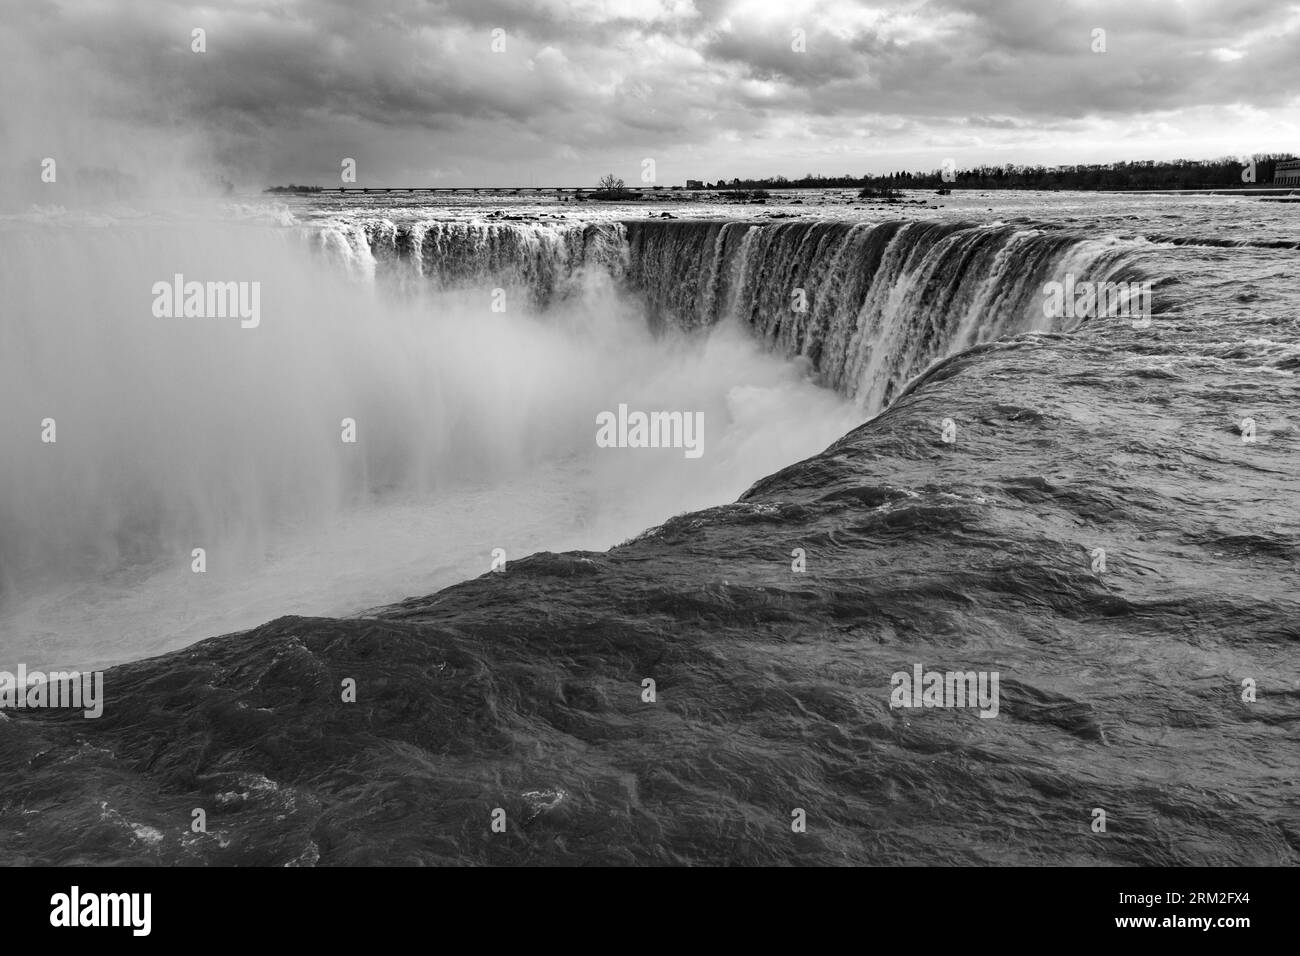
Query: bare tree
pixel 609 183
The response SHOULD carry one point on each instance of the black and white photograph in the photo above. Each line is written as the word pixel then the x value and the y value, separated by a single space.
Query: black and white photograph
pixel 717 434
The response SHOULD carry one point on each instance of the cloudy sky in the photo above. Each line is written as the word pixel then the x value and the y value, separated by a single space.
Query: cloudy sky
pixel 414 91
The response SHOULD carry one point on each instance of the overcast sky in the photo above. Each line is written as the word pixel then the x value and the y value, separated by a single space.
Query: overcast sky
pixel 706 88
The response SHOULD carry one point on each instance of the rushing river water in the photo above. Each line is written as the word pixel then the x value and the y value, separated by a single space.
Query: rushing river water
pixel 907 463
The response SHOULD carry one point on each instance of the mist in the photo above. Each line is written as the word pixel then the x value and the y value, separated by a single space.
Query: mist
pixel 474 430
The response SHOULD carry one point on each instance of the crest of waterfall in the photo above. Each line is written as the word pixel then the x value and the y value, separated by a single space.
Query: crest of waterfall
pixel 868 306
pixel 543 260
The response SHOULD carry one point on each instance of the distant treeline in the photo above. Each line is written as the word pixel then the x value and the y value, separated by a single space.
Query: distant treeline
pixel 1141 174
pixel 291 188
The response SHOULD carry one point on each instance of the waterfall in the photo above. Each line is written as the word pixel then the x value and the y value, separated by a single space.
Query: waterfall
pixel 545 261
pixel 869 306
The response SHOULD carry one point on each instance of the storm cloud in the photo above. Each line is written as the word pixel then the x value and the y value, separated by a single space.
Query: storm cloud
pixel 417 95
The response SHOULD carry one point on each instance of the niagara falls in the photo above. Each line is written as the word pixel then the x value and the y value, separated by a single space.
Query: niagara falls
pixel 455 436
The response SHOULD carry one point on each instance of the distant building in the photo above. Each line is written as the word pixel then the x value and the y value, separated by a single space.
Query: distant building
pixel 1287 173
pixel 694 184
